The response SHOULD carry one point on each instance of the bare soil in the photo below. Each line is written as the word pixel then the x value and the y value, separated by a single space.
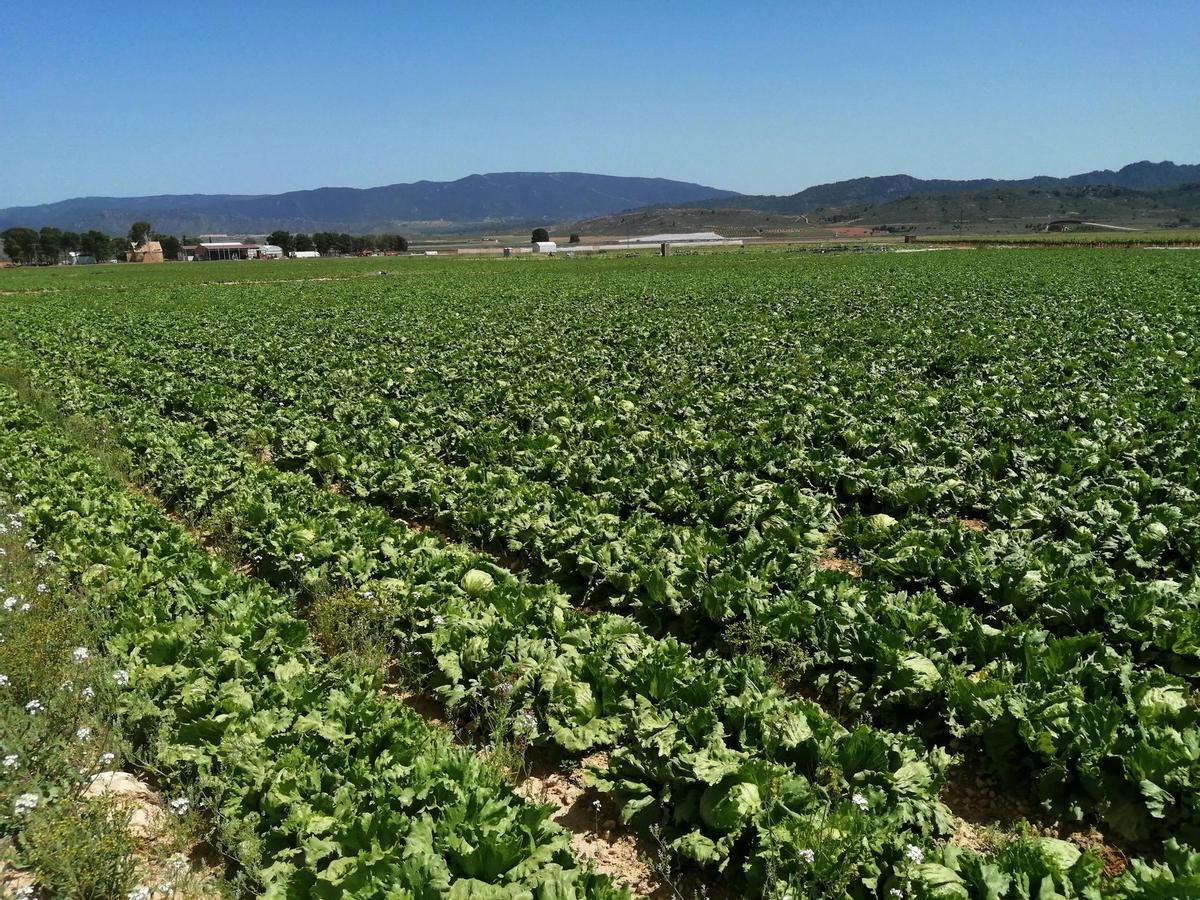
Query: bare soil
pixel 986 813
pixel 596 833
pixel 830 561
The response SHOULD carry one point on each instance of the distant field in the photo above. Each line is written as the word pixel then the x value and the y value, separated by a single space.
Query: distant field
pixel 823 572
pixel 1171 237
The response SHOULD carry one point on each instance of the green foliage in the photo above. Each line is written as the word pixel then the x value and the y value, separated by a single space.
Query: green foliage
pixel 20 244
pixel 139 232
pixel 952 493
pixel 81 848
pixel 348 624
pixel 324 780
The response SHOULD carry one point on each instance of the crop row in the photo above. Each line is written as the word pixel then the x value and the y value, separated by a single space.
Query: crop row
pixel 330 789
pixel 1057 420
pixel 1099 733
pixel 177 628
pixel 709 750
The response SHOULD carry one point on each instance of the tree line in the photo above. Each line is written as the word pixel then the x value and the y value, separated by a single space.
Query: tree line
pixel 327 242
pixel 48 246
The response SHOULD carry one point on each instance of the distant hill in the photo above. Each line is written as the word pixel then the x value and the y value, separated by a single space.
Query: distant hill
pixel 1104 204
pixel 992 210
pixel 504 197
pixel 860 192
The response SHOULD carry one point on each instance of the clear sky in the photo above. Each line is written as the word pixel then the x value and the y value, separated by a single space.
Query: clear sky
pixel 211 97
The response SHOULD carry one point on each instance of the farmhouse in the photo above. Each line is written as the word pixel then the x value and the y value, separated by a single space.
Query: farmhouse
pixel 145 252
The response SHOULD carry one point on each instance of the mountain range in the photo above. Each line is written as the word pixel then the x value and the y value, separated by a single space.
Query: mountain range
pixel 861 192
pixel 503 197
pixel 524 198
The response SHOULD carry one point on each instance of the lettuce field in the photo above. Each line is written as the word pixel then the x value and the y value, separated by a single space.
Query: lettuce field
pixel 784 550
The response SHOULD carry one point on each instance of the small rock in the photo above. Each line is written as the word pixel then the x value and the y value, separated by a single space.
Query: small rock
pixel 146 807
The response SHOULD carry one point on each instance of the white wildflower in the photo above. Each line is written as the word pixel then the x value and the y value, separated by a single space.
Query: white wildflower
pixel 438 620
pixel 121 677
pixel 180 805
pixel 87 693
pixel 897 893
pixel 914 853
pixel 82 734
pixel 806 855
pixel 3 681
pixel 25 803
pixel 106 759
pixel 33 707
pixel 9 603
pixel 10 761
pixel 68 686
pixel 138 893
pixel 80 654
pixel 25 607
pixel 299 557
pixel 860 801
pixel 42 587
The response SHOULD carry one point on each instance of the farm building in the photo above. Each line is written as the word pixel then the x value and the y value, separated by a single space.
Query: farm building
pixel 270 251
pixel 145 252
pixel 663 242
pixel 544 246
pixel 304 254
pixel 225 250
pixel 75 258
pixel 694 237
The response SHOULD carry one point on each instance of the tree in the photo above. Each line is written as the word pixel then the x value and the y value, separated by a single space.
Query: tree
pixel 68 241
pixel 139 231
pixel 96 244
pixel 20 244
pixel 323 241
pixel 49 245
pixel 540 234
pixel 170 245
pixel 574 239
pixel 282 240
pixel 395 242
pixel 302 242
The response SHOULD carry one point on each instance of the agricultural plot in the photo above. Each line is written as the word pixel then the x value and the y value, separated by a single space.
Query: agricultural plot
pixel 789 548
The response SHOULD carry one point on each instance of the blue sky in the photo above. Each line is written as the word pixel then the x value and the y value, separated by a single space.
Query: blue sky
pixel 116 99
